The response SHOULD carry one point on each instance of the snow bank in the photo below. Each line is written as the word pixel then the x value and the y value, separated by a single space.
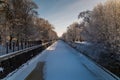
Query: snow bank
pixel 92 50
pixel 99 54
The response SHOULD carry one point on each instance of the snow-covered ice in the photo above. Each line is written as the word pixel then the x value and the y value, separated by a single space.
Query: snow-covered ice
pixel 63 63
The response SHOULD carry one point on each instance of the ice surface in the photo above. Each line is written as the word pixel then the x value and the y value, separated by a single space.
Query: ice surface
pixel 65 63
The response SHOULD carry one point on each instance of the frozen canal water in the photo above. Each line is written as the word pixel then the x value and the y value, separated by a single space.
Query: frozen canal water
pixel 65 63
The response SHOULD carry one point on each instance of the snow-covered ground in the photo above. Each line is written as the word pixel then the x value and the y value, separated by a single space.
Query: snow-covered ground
pixel 95 51
pixel 63 63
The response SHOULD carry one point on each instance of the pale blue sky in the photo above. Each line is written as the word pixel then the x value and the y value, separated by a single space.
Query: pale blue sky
pixel 62 13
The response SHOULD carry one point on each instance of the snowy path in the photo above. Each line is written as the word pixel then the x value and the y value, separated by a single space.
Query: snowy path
pixel 64 63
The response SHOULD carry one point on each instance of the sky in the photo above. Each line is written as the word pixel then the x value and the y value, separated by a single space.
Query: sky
pixel 62 13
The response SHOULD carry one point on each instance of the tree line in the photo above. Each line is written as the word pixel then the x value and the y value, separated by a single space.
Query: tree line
pixel 19 21
pixel 101 25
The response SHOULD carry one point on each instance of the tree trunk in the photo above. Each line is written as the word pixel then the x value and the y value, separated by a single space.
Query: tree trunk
pixel 10 42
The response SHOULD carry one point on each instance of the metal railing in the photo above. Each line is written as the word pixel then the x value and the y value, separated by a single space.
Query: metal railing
pixel 14 60
pixel 13 46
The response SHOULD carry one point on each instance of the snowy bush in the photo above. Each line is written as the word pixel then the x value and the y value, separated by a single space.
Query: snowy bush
pixel 92 50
